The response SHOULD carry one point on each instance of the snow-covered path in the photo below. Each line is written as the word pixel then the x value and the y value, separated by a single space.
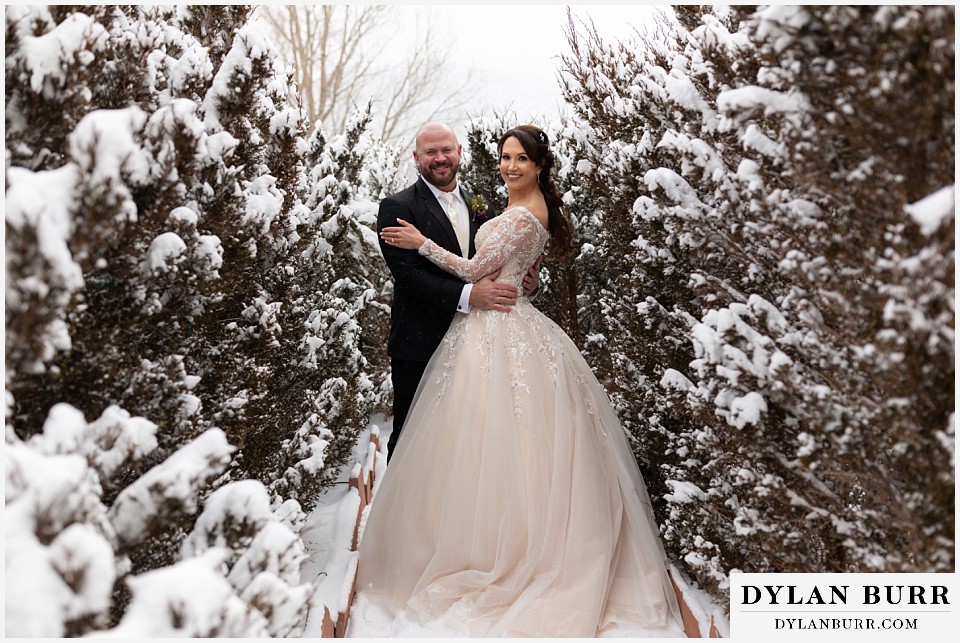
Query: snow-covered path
pixel 329 535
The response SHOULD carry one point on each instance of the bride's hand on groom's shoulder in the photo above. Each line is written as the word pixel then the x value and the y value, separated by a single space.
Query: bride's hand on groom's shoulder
pixel 404 235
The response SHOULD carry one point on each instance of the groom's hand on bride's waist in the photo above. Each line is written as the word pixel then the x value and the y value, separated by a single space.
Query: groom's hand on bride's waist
pixel 490 295
pixel 531 281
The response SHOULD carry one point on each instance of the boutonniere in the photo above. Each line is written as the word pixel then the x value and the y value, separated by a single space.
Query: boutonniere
pixel 479 210
pixel 477 205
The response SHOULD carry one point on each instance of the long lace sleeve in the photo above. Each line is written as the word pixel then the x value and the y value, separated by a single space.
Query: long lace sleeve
pixel 516 232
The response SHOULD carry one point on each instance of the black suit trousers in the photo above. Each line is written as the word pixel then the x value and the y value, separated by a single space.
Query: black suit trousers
pixel 405 375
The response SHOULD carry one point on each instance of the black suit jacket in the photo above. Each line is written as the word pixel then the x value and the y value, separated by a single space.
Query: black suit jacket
pixel 425 296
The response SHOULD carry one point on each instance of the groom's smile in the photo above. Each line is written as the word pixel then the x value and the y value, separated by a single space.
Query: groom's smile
pixel 440 174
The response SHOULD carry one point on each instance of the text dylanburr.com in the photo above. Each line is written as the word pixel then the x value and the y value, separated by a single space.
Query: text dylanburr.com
pixel 848 607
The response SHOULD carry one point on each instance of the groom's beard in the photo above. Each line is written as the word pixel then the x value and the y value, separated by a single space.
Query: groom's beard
pixel 440 175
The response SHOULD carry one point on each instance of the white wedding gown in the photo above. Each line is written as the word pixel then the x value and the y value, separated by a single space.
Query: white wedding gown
pixel 513 505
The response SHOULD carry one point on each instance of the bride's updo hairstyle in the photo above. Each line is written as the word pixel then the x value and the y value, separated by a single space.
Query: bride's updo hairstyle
pixel 535 143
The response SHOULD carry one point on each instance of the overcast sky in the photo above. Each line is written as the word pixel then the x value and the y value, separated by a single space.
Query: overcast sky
pixel 512 52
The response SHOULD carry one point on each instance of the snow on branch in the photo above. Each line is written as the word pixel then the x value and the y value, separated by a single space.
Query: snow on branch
pixel 264 554
pixel 72 42
pixel 59 543
pixel 170 488
pixel 189 599
pixel 113 441
pixel 931 211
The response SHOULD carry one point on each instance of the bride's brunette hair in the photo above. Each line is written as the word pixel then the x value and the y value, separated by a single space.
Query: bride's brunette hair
pixel 535 143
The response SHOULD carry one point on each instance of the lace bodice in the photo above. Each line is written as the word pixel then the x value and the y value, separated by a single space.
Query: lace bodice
pixel 511 241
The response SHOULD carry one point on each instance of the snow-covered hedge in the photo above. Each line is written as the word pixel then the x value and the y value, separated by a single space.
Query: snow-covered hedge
pixel 191 280
pixel 775 194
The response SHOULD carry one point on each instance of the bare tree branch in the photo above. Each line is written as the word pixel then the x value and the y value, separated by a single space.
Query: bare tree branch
pixel 339 60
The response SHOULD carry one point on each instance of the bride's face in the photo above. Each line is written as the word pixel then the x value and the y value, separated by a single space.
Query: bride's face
pixel 516 167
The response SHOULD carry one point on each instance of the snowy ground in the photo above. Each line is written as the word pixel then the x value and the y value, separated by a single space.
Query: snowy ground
pixel 331 564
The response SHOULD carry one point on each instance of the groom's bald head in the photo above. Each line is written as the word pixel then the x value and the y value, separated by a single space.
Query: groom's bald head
pixel 437 154
pixel 433 130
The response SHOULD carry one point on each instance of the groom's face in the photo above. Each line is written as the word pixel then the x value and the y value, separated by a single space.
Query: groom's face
pixel 438 157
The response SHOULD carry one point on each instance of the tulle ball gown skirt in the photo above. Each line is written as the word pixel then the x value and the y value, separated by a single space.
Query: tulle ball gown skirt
pixel 513 505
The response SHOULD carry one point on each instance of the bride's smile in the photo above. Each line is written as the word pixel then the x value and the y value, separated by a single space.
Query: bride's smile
pixel 519 172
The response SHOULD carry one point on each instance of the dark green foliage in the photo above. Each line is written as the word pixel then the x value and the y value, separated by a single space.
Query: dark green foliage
pixel 212 275
pixel 779 328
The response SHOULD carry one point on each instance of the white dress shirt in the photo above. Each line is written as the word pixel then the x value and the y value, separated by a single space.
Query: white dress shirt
pixel 463 306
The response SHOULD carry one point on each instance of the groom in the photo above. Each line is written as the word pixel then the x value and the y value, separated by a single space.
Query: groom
pixel 426 298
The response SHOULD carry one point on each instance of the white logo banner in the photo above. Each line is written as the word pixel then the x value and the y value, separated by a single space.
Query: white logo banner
pixel 843 607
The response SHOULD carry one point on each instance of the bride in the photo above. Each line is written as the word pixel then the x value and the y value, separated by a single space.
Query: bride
pixel 513 506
